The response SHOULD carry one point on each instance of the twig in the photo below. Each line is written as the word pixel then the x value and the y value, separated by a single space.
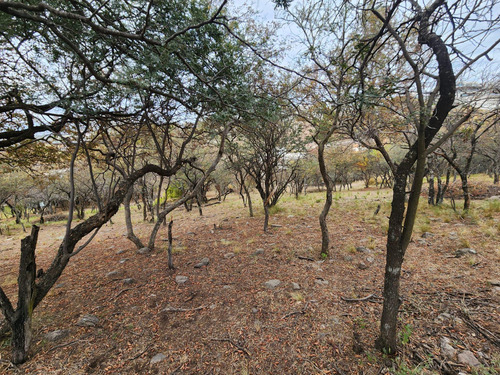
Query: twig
pixel 239 347
pixel 358 299
pixel 141 353
pixel 126 290
pixel 303 311
pixel 67 344
pixel 178 309
pixel 305 258
pixel 490 336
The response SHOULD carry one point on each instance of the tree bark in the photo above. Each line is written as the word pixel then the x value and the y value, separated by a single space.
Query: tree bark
pixel 266 217
pixel 325 237
pixel 169 251
pixel 21 322
pixel 128 219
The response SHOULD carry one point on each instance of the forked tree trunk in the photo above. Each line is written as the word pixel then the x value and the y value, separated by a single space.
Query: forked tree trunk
pixel 128 220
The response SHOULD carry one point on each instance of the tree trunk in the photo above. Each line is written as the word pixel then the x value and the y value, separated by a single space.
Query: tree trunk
pixel 21 322
pixel 465 190
pixel 170 260
pixel 394 259
pixel 266 217
pixel 128 219
pixel 249 200
pixel 325 237
pixel 431 199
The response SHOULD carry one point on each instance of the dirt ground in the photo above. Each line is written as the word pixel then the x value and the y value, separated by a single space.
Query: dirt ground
pixel 225 320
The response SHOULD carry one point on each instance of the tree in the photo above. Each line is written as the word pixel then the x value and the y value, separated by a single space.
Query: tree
pixel 108 61
pixel 425 54
pixel 269 149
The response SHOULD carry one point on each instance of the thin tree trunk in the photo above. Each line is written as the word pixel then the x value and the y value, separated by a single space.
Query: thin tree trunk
pixel 249 200
pixel 170 260
pixel 325 237
pixel 128 220
pixel 266 217
pixel 431 199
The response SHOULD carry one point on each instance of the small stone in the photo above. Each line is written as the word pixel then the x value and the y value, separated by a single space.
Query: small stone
pixel 124 260
pixel 128 281
pixel 255 310
pixel 494 282
pixel 112 274
pixel 362 249
pixel 88 321
pixel 362 266
pixel 271 284
pixel 229 255
pixel 203 263
pixel 56 335
pixel 227 287
pixel 321 282
pixel 348 258
pixel 427 235
pixel 258 252
pixel 158 358
pixel 447 351
pixel 120 251
pixel 181 280
pixel 467 358
pixel 444 316
pixel 295 286
pixel 60 285
pixel 494 198
pixel 370 259
pixel 144 250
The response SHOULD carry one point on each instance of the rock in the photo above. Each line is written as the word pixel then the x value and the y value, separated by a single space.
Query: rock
pixel 56 335
pixel 227 287
pixel 427 235
pixel 348 258
pixel 467 358
pixel 444 316
pixel 112 273
pixel 271 284
pixel 229 255
pixel 204 262
pixel 362 249
pixel 464 251
pixel 144 250
pixel 128 281
pixel 319 281
pixel 120 251
pixel 158 358
pixel 362 266
pixel 447 351
pixel 124 260
pixel 370 259
pixel 60 285
pixel 88 321
pixel 258 252
pixel 494 282
pixel 181 280
pixel 494 198
pixel 255 310
pixel 295 286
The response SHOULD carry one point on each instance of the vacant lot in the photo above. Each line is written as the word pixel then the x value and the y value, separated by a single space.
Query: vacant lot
pixel 225 320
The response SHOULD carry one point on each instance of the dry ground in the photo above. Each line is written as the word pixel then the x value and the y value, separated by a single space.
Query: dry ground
pixel 235 325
